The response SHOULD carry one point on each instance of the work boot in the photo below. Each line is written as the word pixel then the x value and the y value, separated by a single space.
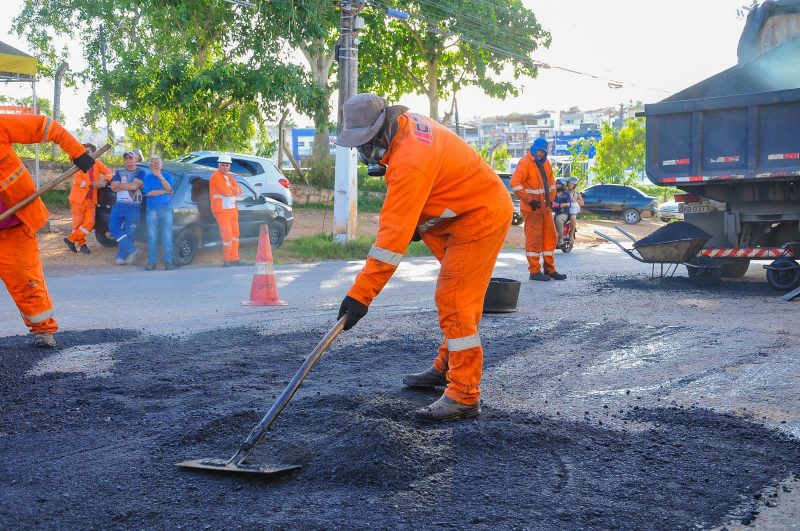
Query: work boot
pixel 85 249
pixel 539 276
pixel 429 378
pixel 119 261
pixel 236 263
pixel 445 410
pixel 555 275
pixel 226 264
pixel 170 267
pixel 44 340
pixel 131 258
pixel 70 245
pixel 150 266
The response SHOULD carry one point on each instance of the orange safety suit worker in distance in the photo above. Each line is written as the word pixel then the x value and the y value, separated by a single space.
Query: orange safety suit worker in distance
pixel 20 263
pixel 83 201
pixel 440 187
pixel 223 190
pixel 529 184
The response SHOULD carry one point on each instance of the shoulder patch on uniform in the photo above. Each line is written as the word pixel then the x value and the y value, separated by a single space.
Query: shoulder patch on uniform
pixel 422 130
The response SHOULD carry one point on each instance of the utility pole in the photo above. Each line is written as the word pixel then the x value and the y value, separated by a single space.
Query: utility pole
pixel 345 202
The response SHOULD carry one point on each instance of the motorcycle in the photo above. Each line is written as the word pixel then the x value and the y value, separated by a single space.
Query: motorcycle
pixel 568 237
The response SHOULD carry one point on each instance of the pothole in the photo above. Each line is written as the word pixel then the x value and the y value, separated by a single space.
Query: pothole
pixel 93 361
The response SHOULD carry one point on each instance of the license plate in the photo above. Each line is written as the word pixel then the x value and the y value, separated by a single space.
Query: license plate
pixel 696 208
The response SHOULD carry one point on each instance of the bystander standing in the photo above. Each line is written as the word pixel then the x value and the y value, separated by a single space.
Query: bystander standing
pixel 158 190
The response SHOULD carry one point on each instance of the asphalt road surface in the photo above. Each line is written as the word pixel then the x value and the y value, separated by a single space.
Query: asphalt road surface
pixel 610 401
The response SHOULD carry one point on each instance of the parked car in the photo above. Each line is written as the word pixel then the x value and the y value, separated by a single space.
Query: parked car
pixel 619 200
pixel 260 173
pixel 670 210
pixel 194 225
pixel 506 178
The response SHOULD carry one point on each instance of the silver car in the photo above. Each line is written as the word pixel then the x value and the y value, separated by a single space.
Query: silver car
pixel 670 210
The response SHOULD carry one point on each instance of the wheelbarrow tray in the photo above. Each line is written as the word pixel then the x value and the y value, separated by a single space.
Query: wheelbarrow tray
pixel 678 251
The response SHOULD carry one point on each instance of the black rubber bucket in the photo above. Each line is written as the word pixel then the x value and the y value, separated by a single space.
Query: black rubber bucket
pixel 501 296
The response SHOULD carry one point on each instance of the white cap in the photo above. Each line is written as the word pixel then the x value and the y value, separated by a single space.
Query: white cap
pixel 224 158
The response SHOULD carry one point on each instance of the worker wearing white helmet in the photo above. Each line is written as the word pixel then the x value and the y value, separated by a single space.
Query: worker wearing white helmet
pixel 223 189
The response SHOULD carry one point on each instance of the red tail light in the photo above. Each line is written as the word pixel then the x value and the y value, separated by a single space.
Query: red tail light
pixel 284 182
pixel 687 198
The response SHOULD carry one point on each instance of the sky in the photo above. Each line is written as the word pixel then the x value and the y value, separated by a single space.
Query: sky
pixel 653 47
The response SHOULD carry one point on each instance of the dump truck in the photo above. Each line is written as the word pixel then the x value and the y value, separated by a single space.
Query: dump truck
pixel 731 145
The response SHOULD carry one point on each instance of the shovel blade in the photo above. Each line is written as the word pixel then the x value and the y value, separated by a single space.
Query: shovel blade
pixel 222 465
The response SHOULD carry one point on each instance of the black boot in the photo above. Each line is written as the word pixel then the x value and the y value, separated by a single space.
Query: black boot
pixel 447 410
pixel 429 378
pixel 70 245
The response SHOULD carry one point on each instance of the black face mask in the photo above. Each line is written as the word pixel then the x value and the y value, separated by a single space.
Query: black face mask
pixel 371 154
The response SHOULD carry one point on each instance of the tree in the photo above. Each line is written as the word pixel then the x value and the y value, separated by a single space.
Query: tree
pixel 176 73
pixel 621 153
pixel 579 150
pixel 446 45
pixel 497 156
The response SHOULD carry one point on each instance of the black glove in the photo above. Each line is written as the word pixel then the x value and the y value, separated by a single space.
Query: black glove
pixel 354 311
pixel 85 162
pixel 535 204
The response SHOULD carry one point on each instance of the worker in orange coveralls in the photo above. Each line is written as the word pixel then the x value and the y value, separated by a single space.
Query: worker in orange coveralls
pixel 83 202
pixel 440 190
pixel 224 190
pixel 20 264
pixel 534 185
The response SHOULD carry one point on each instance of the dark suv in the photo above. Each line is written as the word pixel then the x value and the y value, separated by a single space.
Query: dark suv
pixel 194 226
pixel 619 200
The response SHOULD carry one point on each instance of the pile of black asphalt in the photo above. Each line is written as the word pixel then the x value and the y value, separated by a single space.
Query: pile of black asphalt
pixel 672 232
pixel 100 452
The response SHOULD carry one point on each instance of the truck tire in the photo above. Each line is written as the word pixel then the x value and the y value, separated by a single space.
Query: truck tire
pixel 736 269
pixel 632 216
pixel 104 239
pixel 785 276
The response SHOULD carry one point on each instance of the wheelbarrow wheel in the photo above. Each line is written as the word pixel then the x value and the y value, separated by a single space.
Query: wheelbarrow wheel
pixel 704 275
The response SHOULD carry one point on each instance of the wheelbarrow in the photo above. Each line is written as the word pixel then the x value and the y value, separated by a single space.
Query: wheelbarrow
pixel 669 255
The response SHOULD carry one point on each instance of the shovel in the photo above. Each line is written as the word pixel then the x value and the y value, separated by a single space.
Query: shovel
pixel 236 463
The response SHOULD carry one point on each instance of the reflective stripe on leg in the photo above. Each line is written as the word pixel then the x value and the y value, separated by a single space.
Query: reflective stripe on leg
pixel 463 343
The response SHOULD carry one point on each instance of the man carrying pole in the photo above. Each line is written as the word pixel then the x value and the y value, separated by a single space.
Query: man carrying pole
pixel 20 265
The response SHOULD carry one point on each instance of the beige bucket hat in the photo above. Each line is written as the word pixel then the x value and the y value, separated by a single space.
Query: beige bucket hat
pixel 364 114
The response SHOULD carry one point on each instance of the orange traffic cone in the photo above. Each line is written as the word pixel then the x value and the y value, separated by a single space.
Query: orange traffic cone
pixel 264 290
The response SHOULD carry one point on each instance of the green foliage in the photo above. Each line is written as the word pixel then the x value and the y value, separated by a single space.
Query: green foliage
pixel 663 193
pixel 497 157
pixel 322 173
pixel 56 199
pixel 445 46
pixel 181 75
pixel 369 203
pixel 579 150
pixel 322 247
pixel 620 154
pixel 369 184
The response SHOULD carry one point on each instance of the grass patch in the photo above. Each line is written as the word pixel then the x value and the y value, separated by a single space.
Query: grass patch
pixel 312 206
pixel 322 247
pixel 56 198
pixel 368 203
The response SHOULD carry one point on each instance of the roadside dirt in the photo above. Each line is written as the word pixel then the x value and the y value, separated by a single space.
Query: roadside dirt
pixel 306 223
pixel 90 434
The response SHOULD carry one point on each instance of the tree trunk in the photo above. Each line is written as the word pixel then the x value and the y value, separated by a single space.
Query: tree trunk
pixel 433 90
pixel 320 62
pixel 62 68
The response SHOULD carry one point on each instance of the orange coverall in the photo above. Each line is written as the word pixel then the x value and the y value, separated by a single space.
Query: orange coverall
pixel 540 230
pixel 223 190
pixel 20 264
pixel 439 186
pixel 83 201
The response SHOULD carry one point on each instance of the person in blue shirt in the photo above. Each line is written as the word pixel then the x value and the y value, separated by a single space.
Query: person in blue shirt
pixel 127 184
pixel 158 189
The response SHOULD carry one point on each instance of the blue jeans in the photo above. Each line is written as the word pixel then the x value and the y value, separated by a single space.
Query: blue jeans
pixel 159 220
pixel 123 222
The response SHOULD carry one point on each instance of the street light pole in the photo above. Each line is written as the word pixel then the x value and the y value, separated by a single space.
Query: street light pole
pixel 345 202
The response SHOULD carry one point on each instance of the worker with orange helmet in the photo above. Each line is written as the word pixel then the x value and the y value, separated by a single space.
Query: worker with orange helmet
pixel 83 202
pixel 20 265
pixel 533 183
pixel 441 190
pixel 224 190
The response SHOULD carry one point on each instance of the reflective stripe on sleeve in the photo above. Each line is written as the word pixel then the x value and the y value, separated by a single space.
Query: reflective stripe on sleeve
pixel 516 188
pixel 535 190
pixel 40 317
pixel 385 256
pixel 447 214
pixel 47 124
pixel 463 343
pixel 7 182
